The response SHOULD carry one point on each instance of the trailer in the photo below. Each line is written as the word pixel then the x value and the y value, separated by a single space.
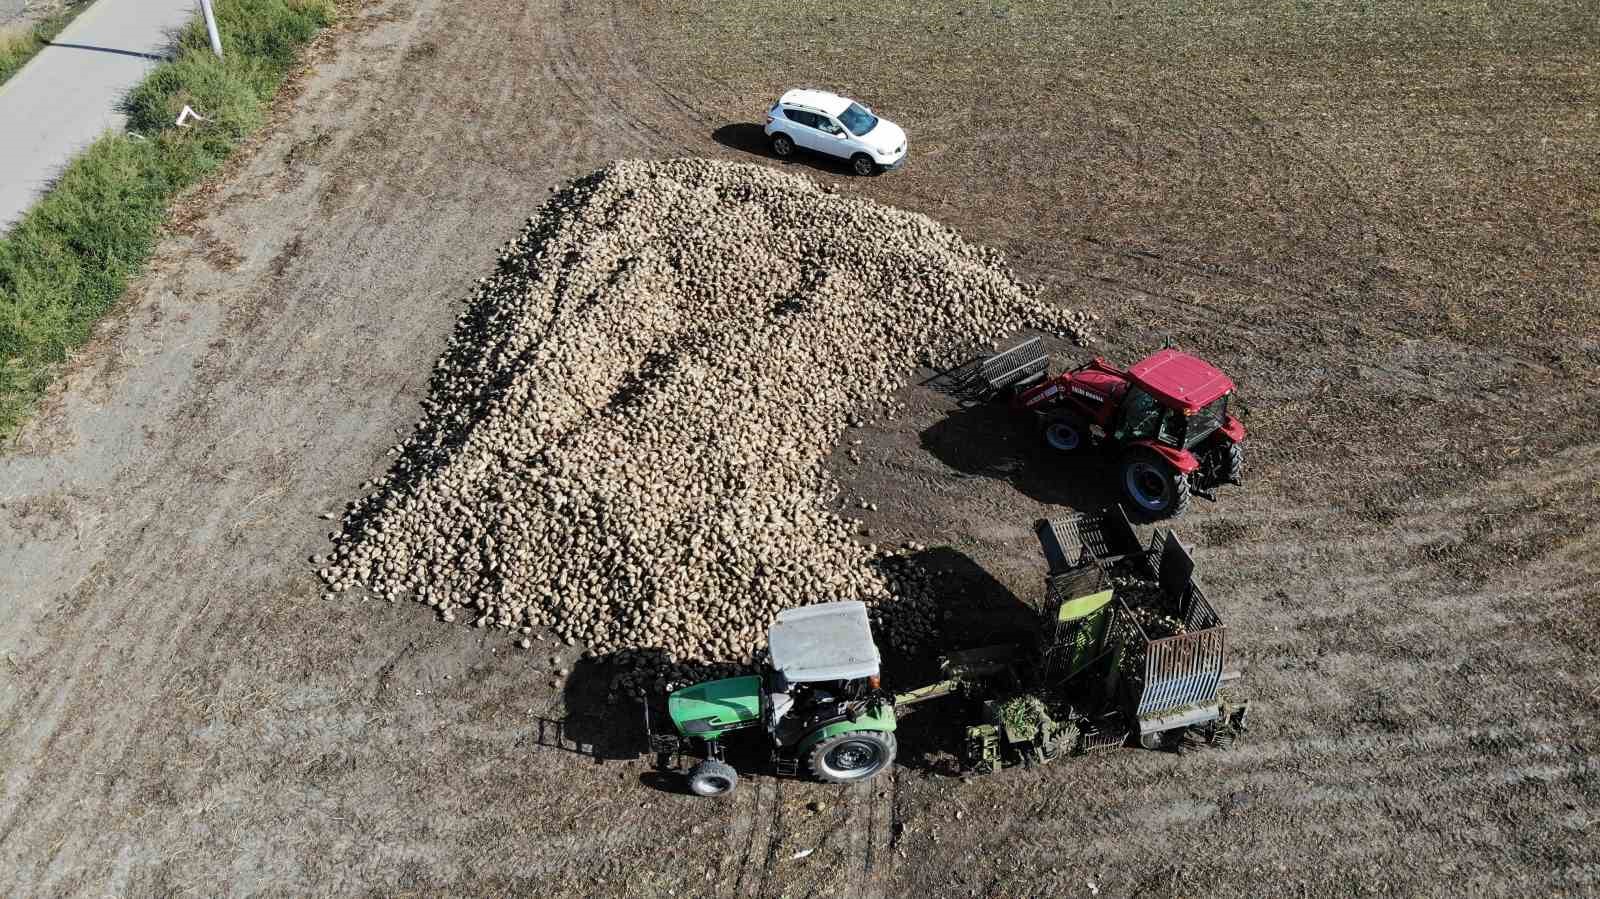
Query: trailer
pixel 1127 651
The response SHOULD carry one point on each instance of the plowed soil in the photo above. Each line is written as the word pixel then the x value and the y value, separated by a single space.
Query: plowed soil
pixel 1383 224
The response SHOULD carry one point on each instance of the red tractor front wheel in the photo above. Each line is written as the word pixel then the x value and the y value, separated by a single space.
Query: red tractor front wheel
pixel 1156 489
pixel 1065 433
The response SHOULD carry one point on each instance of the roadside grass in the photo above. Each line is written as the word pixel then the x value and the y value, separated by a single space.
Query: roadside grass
pixel 18 45
pixel 67 261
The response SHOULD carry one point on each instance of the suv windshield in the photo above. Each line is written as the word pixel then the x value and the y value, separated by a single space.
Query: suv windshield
pixel 858 120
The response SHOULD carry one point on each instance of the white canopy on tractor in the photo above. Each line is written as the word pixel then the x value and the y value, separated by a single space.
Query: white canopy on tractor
pixel 829 641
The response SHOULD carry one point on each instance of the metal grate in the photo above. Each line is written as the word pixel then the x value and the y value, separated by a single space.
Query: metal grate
pixel 992 374
pixel 1077 539
pixel 1182 671
pixel 1070 585
pixel 1198 613
pixel 1101 738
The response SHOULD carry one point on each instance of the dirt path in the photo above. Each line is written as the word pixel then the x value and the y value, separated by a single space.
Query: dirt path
pixel 178 704
pixel 1409 575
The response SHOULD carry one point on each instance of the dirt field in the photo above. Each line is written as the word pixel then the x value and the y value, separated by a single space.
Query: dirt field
pixel 1384 223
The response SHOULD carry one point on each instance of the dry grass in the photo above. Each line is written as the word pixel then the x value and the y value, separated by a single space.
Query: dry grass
pixel 1431 162
pixel 20 43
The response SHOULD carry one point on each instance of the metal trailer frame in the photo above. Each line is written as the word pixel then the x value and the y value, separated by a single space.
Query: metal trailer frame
pixel 1021 366
pixel 1105 540
pixel 1182 675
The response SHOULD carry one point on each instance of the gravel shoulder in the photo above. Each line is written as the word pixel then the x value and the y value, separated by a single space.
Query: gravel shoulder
pixel 180 709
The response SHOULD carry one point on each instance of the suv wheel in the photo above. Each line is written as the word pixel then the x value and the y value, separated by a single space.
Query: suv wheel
pixel 782 145
pixel 863 164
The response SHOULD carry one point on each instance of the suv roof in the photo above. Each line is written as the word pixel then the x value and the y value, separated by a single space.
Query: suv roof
pixel 822 101
pixel 1180 380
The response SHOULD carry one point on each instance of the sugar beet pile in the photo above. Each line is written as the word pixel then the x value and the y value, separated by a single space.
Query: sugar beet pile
pixel 625 437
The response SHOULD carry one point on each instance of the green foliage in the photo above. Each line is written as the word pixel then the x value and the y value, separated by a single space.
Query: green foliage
pixel 1023 716
pixel 65 263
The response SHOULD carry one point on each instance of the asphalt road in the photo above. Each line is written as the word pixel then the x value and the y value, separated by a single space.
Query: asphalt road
pixel 68 95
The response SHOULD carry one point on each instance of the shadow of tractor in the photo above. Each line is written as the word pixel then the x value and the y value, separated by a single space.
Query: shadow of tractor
pixel 975 609
pixel 605 722
pixel 991 440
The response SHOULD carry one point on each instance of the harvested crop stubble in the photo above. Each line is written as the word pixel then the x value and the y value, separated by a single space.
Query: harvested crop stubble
pixel 625 437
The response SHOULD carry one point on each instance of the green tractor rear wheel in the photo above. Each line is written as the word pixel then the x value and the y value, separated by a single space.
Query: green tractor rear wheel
pixel 852 756
pixel 712 778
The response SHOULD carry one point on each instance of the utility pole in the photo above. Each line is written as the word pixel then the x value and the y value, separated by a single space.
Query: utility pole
pixel 211 27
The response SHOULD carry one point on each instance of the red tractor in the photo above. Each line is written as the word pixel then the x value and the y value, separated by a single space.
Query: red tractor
pixel 1165 416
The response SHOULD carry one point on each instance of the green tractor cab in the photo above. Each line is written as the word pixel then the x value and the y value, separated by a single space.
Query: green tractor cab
pixel 817 702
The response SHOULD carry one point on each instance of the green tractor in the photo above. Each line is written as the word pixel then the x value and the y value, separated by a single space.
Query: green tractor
pixel 817 702
pixel 1124 650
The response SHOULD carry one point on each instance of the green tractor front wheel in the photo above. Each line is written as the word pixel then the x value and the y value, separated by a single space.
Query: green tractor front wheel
pixel 712 778
pixel 852 756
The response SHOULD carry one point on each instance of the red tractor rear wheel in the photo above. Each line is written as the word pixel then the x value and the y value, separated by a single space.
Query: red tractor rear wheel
pixel 1156 489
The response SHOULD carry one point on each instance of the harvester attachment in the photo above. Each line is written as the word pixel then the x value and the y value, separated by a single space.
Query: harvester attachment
pixel 1019 367
pixel 1080 539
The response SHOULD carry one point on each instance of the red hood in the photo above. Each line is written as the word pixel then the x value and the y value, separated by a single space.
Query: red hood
pixel 1180 380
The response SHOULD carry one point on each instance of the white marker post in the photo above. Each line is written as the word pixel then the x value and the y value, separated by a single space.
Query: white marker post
pixel 211 27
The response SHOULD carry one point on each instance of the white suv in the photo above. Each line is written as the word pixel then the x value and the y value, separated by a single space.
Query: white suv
pixel 835 126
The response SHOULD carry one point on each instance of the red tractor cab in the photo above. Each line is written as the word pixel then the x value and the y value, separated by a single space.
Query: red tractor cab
pixel 1166 417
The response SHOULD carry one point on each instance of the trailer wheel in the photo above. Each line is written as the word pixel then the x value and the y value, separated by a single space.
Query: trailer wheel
pixel 1064 432
pixel 852 756
pixel 712 778
pixel 1156 488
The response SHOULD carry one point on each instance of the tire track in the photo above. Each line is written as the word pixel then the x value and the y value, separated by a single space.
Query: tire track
pixel 80 718
pixel 742 833
pixel 766 832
